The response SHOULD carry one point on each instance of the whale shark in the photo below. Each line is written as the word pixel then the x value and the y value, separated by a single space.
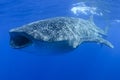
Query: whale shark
pixel 58 33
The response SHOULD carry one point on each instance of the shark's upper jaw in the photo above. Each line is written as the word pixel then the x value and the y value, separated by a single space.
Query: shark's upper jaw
pixel 19 40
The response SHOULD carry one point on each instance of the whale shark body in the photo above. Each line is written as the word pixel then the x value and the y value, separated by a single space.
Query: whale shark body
pixel 59 33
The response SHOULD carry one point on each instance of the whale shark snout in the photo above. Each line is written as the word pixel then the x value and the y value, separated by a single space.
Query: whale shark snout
pixel 19 40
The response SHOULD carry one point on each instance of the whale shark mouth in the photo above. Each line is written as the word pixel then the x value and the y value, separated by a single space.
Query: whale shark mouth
pixel 19 40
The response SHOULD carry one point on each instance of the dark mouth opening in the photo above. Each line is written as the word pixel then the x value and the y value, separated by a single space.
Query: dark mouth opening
pixel 19 40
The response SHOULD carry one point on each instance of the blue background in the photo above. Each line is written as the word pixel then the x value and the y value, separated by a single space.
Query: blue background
pixel 89 62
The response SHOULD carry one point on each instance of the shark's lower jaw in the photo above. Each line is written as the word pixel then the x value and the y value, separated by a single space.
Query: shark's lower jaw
pixel 19 40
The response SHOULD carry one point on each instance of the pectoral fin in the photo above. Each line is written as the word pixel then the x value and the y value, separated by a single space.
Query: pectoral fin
pixel 105 42
pixel 98 40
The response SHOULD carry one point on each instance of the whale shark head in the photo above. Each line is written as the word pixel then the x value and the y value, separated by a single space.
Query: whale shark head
pixel 19 40
pixel 24 42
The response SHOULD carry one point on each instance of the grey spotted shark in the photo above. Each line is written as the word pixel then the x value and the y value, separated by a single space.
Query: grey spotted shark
pixel 57 33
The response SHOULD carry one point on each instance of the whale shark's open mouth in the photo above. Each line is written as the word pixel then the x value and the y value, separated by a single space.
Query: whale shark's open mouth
pixel 19 40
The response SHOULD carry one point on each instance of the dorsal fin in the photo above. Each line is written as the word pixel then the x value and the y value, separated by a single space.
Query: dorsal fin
pixel 91 19
pixel 106 29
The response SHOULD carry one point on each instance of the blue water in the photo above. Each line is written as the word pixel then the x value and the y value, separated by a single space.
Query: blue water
pixel 90 61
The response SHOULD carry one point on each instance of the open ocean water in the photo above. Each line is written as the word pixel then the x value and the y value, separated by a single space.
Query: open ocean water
pixel 90 61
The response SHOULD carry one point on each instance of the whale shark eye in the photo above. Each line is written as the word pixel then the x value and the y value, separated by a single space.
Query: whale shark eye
pixel 19 41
